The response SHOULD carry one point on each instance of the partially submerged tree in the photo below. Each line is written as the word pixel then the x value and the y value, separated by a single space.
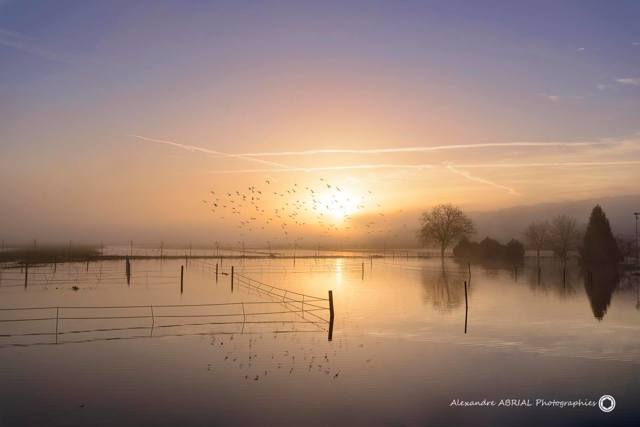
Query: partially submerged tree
pixel 537 236
pixel 599 245
pixel 444 225
pixel 564 236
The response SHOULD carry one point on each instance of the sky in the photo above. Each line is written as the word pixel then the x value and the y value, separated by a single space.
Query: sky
pixel 118 119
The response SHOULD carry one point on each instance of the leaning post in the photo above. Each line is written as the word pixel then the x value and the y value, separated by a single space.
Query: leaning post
pixel 331 315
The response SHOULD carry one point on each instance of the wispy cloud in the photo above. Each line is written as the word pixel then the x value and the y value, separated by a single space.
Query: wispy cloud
pixel 474 178
pixel 23 43
pixel 633 81
pixel 552 98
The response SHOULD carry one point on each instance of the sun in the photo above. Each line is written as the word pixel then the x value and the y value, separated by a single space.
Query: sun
pixel 338 204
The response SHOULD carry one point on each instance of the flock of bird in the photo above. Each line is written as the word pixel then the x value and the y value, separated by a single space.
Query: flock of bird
pixel 295 210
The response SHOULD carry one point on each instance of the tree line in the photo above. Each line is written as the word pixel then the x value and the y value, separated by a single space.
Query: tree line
pixel 447 225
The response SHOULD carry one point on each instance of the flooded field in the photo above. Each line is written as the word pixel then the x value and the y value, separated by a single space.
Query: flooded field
pixel 101 343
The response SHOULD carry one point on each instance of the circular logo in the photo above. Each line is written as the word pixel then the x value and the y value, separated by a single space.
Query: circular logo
pixel 606 403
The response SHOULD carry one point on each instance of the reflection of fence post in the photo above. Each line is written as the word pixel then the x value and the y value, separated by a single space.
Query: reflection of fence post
pixel 232 278
pixel 181 278
pixel 57 316
pixel 216 272
pixel 466 306
pixel 26 275
pixel 330 315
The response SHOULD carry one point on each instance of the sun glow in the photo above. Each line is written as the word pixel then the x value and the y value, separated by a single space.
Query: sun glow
pixel 339 205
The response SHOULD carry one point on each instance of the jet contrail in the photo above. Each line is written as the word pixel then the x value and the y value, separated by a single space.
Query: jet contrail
pixel 551 164
pixel 481 180
pixel 195 149
pixel 327 168
pixel 421 149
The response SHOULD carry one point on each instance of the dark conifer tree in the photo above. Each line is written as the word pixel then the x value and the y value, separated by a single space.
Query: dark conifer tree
pixel 599 245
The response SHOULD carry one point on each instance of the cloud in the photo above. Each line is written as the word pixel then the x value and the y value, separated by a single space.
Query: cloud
pixel 552 98
pixel 23 43
pixel 633 81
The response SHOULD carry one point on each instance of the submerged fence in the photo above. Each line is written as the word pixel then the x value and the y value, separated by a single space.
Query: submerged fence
pixel 286 311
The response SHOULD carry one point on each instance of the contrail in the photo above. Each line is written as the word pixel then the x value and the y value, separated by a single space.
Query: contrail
pixel 552 164
pixel 195 149
pixel 327 168
pixel 421 149
pixel 482 180
pixel 430 166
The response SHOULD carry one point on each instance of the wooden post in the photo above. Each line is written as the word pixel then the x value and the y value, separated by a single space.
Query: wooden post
pixel 216 272
pixel 26 275
pixel 181 278
pixel 331 315
pixel 57 317
pixel 232 278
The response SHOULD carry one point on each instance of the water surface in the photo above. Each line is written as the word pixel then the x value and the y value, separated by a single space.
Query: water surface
pixel 399 353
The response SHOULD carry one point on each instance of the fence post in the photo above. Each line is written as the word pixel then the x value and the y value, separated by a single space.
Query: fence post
pixel 331 315
pixel 216 272
pixel 57 317
pixel 26 275
pixel 232 278
pixel 181 278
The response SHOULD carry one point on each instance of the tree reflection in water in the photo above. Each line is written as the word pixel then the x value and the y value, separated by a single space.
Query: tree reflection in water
pixel 443 289
pixel 600 282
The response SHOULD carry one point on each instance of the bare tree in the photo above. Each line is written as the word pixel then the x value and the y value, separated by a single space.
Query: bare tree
pixel 564 236
pixel 444 225
pixel 537 236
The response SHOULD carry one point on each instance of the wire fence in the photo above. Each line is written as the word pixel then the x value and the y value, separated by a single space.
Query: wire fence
pixel 284 309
